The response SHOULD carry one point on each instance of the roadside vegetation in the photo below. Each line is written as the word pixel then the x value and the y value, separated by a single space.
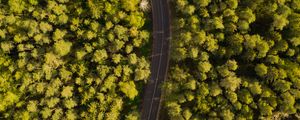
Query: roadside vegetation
pixel 72 59
pixel 234 60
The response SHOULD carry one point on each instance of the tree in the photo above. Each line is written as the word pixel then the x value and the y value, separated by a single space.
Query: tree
pixel 288 102
pixel 58 34
pixel 295 41
pixel 181 3
pixel 130 5
pixel 46 112
pixel 282 85
pixel 135 20
pixel 32 106
pixel 174 109
pixel 247 15
pixel 265 108
pixel 272 59
pixel 279 22
pixel 245 96
pixel 233 4
pixel 215 23
pixel 202 3
pixel 71 115
pixel 7 46
pixel 227 115
pixel 70 103
pixel 232 96
pixel 261 69
pixel 232 65
pixel 52 102
pixel 211 44
pixel 57 114
pixel 243 25
pixel 100 55
pixel 215 89
pixel 187 114
pixel 133 116
pixel 191 85
pixel 62 47
pixel 67 92
pixel 189 9
pixel 262 48
pixel 132 58
pixel 255 88
pixel 141 74
pixel 16 6
pixel 62 19
pixel 204 66
pixel 230 83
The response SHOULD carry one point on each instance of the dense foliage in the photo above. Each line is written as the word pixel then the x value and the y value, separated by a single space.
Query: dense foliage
pixel 234 59
pixel 71 59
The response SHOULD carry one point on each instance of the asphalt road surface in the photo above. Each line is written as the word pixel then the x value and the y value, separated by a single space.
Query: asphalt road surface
pixel 160 59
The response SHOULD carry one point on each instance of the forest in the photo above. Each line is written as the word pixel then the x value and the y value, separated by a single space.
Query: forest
pixel 90 59
pixel 234 60
pixel 72 59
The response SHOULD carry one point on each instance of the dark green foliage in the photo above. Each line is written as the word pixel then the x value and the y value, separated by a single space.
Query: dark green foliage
pixel 242 56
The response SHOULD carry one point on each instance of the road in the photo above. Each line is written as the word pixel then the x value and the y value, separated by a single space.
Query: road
pixel 159 61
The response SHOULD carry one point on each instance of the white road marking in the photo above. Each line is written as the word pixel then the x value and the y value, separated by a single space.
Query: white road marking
pixel 155 85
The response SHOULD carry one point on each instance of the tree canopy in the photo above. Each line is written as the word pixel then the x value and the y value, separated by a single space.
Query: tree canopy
pixel 234 60
pixel 70 59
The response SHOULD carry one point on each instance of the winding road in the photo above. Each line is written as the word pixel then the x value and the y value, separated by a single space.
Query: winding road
pixel 160 59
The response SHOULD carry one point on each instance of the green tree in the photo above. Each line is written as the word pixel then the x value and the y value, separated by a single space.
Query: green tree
pixel 67 92
pixel 279 22
pixel 245 96
pixel 62 47
pixel 130 5
pixel 204 67
pixel 100 55
pixel 230 83
pixel 202 3
pixel 261 69
pixel 16 6
pixel 58 34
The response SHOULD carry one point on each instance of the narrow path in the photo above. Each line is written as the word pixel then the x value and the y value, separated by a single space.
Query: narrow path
pixel 160 59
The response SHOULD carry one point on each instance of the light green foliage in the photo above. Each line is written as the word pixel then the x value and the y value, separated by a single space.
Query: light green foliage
pixel 58 34
pixel 230 83
pixel 100 55
pixel 227 115
pixel 215 89
pixel 16 6
pixel 32 106
pixel 64 59
pixel 67 92
pixel 204 67
pixel 245 96
pixel 45 27
pixel 202 3
pixel 6 46
pixel 261 69
pixel 130 5
pixel 133 116
pixel 282 85
pixel 62 47
pixel 174 109
pixel 232 96
pixel 280 22
pixel 70 103
pixel 255 88
pixel 8 99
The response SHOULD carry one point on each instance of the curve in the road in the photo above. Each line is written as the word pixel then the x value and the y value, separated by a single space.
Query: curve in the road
pixel 159 61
